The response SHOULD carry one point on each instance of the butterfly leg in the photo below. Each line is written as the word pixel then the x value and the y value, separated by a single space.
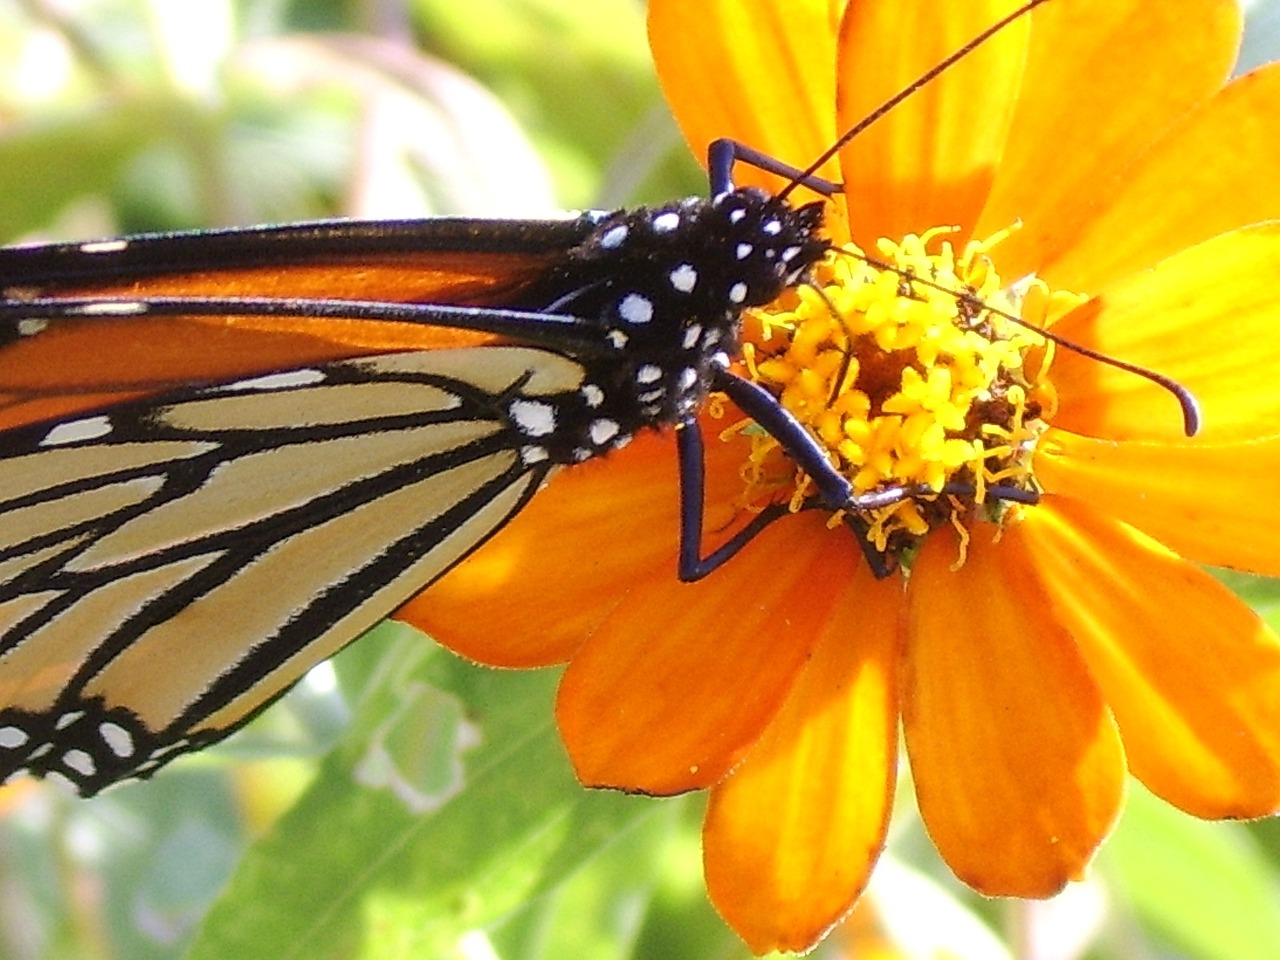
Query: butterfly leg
pixel 724 153
pixel 692 565
pixel 834 490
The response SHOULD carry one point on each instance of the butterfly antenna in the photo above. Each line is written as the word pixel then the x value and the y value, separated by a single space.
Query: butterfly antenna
pixel 1191 418
pixel 907 91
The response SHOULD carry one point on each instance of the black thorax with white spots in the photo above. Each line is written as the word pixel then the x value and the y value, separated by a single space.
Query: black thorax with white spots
pixel 667 286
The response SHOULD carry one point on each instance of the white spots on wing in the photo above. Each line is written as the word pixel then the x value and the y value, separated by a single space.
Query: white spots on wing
pixel 635 309
pixel 104 246
pixel 170 748
pixel 531 455
pixel 688 377
pixel 31 326
pixel 80 762
pixel 617 339
pixel 592 394
pixel 603 430
pixel 534 418
pixel 67 719
pixel 692 336
pixel 743 250
pixel 613 237
pixel 75 431
pixel 110 308
pixel 771 228
pixel 684 278
pixel 651 396
pixel 11 738
pixel 738 293
pixel 118 740
pixel 666 222
pixel 736 216
pixel 305 377
pixel 55 776
pixel 649 373
pixel 790 254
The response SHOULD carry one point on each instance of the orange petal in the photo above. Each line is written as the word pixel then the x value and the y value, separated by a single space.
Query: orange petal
pixel 682 679
pixel 758 71
pixel 931 159
pixel 1207 317
pixel 1018 767
pixel 792 833
pixel 1191 674
pixel 1104 78
pixel 531 595
pixel 1180 494
pixel 1187 189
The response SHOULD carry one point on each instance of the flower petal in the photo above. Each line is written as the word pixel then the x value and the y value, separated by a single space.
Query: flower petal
pixel 1191 673
pixel 792 833
pixel 1180 494
pixel 931 159
pixel 1104 78
pixel 1206 317
pixel 1187 189
pixel 682 679
pixel 1018 767
pixel 535 591
pixel 757 71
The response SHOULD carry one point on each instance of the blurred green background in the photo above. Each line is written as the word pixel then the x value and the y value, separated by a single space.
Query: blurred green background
pixel 401 803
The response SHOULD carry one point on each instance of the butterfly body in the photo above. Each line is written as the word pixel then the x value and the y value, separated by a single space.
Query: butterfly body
pixel 175 557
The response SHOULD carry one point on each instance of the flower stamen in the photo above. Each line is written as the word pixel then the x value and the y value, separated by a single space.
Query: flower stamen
pixel 921 373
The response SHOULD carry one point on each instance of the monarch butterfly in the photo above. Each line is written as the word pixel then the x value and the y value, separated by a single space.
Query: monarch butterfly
pixel 191 420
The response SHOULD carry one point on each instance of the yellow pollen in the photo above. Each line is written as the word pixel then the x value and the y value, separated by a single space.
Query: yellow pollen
pixel 923 387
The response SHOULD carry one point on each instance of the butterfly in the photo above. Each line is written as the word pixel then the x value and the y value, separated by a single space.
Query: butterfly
pixel 224 455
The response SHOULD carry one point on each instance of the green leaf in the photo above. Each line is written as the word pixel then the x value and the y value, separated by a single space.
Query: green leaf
pixel 450 806
pixel 67 155
pixel 599 911
pixel 1207 889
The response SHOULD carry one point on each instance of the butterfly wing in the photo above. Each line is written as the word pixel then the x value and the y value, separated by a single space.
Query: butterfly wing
pixel 226 539
pixel 215 474
pixel 56 360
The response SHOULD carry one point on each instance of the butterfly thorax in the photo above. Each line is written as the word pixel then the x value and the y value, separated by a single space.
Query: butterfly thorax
pixel 667 287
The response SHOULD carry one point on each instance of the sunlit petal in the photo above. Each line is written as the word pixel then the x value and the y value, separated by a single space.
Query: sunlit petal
pixel 757 71
pixel 681 679
pixel 1207 318
pixel 1174 197
pixel 1104 78
pixel 1208 503
pixel 1189 671
pixel 545 581
pixel 1018 767
pixel 932 158
pixel 792 833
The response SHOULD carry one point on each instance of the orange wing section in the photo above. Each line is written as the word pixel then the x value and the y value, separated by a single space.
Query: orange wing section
pixel 79 364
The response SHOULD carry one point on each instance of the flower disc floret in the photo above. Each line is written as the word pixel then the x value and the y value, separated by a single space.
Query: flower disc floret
pixel 918 370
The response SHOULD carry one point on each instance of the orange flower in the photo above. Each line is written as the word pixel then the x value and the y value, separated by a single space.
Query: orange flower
pixel 1091 155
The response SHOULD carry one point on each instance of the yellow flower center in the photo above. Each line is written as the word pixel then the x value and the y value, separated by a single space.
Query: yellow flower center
pixel 911 373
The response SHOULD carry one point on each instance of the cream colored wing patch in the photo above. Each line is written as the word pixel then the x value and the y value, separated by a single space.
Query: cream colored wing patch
pixel 169 568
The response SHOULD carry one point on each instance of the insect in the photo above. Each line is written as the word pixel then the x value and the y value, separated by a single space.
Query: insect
pixel 216 471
